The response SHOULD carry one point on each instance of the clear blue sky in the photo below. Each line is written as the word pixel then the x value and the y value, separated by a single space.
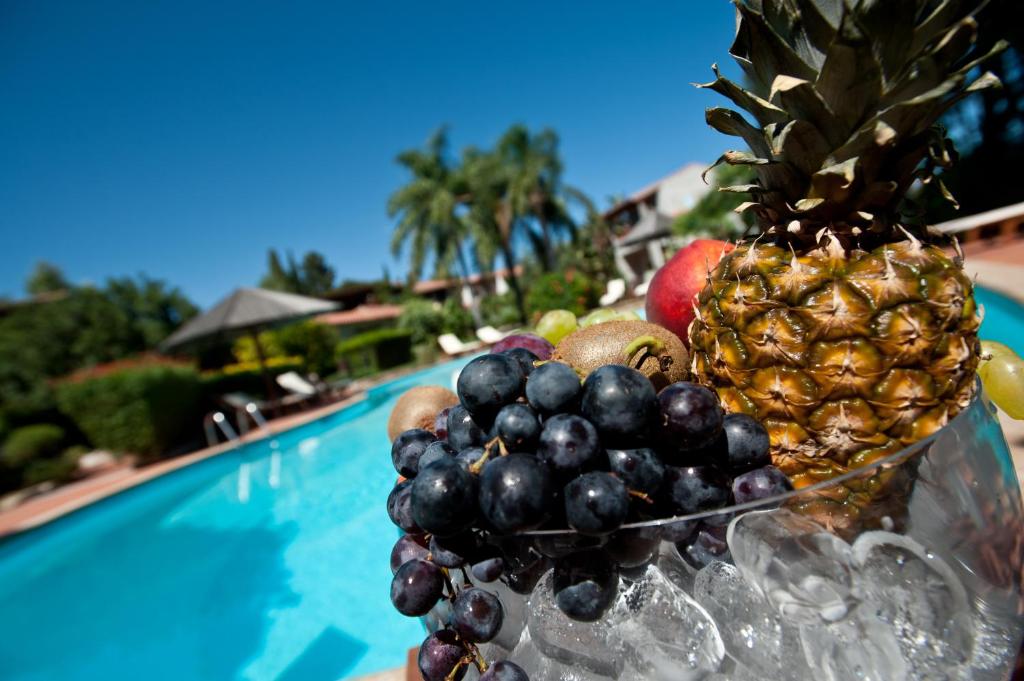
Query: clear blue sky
pixel 183 139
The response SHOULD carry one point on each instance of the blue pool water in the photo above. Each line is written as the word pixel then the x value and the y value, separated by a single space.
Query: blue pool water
pixel 263 563
pixel 1004 319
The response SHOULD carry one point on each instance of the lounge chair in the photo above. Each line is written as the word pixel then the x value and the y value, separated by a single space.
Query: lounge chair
pixel 641 288
pixel 614 293
pixel 296 384
pixel 490 335
pixel 451 344
pixel 239 403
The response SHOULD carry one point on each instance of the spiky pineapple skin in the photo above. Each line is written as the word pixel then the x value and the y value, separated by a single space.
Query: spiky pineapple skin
pixel 847 356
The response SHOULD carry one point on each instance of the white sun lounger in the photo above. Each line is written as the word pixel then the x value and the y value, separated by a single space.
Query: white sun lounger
pixel 451 344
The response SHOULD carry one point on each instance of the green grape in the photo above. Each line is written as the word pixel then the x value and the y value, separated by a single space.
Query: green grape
pixel 556 325
pixel 1003 377
pixel 605 314
pixel 995 349
pixel 598 316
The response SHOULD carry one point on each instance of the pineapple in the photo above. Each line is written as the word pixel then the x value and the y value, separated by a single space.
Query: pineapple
pixel 844 328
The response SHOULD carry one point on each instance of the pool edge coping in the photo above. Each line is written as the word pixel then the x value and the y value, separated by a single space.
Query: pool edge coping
pixel 11 525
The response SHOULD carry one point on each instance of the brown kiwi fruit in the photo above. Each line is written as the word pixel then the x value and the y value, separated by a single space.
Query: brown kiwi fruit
pixel 653 350
pixel 417 408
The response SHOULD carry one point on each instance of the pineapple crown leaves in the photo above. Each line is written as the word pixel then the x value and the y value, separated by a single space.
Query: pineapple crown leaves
pixel 844 96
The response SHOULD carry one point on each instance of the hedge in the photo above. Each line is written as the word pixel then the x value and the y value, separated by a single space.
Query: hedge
pixel 144 410
pixel 29 443
pixel 373 351
pixel 245 377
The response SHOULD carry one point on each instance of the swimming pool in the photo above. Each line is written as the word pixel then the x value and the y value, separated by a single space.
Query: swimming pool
pixel 1003 320
pixel 269 562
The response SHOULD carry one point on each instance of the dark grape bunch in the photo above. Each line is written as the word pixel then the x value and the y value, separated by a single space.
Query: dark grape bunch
pixel 531 448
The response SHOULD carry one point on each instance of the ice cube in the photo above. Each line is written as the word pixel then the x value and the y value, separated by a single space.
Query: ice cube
pixel 591 646
pixel 667 635
pixel 919 598
pixel 754 633
pixel 850 650
pixel 802 568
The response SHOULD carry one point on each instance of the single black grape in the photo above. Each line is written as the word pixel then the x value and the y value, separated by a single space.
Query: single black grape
pixel 488 569
pixel 454 551
pixel 518 427
pixel 747 443
pixel 585 585
pixel 705 546
pixel 488 383
pixel 503 670
pixel 469 456
pixel 633 547
pixel 463 431
pixel 516 493
pixel 760 483
pixel 416 587
pixel 523 581
pixel 596 503
pixel 407 548
pixel 553 388
pixel 407 449
pixel 563 544
pixel 524 358
pixel 439 656
pixel 400 507
pixel 640 469
pixel 434 451
pixel 444 497
pixel 694 489
pixel 476 615
pixel 620 402
pixel 691 415
pixel 569 444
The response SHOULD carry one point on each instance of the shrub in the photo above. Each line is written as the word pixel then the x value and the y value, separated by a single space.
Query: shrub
pixel 245 377
pixel 427 319
pixel 376 350
pixel 423 319
pixel 311 341
pixel 30 443
pixel 569 291
pixel 499 310
pixel 60 469
pixel 142 410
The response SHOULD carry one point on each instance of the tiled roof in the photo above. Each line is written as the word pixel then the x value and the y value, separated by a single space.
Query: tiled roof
pixel 360 315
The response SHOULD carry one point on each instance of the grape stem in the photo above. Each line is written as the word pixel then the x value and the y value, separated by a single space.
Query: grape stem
pixel 448 584
pixel 477 465
pixel 640 495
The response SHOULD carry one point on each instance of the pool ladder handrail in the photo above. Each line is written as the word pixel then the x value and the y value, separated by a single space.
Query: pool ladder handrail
pixel 214 421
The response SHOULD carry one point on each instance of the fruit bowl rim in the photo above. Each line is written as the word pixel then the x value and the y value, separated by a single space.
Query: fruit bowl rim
pixel 896 458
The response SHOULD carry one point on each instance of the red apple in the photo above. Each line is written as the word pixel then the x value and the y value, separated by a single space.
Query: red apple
pixel 672 291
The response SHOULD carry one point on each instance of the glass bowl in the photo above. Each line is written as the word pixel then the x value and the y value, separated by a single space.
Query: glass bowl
pixel 926 586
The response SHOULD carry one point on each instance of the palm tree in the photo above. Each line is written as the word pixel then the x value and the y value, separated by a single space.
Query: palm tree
pixel 428 208
pixel 490 215
pixel 535 191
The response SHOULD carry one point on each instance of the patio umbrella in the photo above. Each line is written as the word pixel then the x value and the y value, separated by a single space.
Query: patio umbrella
pixel 247 311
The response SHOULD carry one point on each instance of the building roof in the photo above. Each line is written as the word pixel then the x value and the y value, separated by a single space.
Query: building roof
pixel 644 193
pixel 435 285
pixel 360 315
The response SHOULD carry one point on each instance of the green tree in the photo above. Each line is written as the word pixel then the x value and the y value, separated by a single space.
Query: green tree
pixel 428 210
pixel 312 277
pixel 46 278
pixel 988 128
pixel 154 309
